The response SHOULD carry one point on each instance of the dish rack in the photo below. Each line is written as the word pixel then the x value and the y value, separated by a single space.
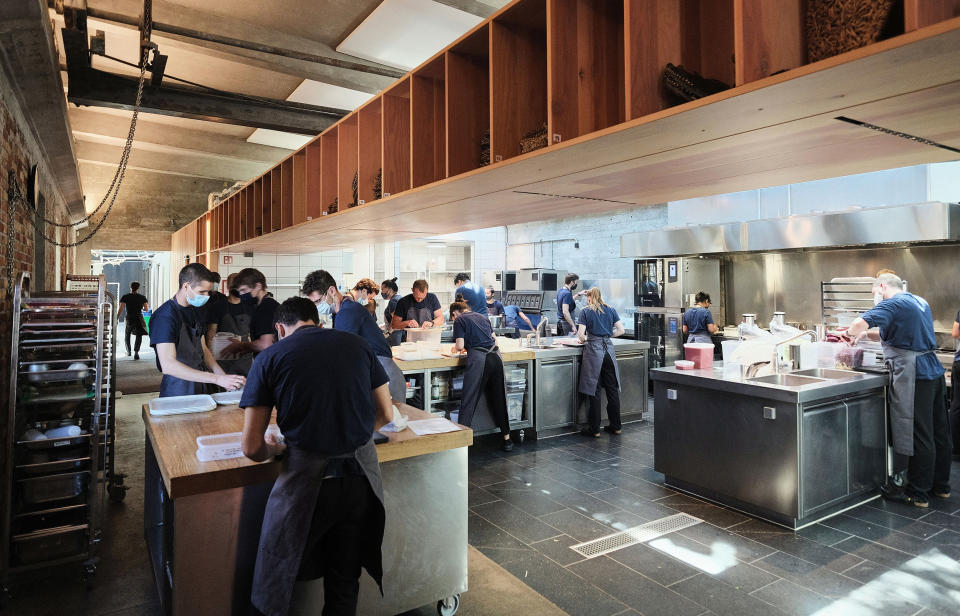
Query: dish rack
pixel 60 428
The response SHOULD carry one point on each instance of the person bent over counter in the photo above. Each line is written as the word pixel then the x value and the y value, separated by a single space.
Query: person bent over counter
pixel 419 309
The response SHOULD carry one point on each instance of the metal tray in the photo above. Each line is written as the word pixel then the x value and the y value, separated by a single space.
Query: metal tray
pixel 54 466
pixel 51 488
pixel 49 518
pixel 50 544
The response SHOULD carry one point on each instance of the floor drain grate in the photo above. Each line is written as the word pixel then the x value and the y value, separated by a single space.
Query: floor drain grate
pixel 637 534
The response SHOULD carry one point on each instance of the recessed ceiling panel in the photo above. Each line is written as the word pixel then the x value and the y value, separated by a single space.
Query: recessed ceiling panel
pixel 404 33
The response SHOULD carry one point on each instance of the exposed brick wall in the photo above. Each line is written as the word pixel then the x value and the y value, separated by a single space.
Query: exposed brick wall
pixel 149 207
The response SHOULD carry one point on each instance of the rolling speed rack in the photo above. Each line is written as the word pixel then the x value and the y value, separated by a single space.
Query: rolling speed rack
pixel 59 430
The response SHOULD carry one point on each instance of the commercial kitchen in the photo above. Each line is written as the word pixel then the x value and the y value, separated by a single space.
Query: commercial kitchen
pixel 663 307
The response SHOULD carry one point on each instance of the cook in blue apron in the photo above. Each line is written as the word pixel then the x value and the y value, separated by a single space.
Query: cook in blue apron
pixel 177 330
pixel 419 309
pixel 566 305
pixel 919 425
pixel 698 321
pixel 598 366
pixel 325 514
pixel 484 371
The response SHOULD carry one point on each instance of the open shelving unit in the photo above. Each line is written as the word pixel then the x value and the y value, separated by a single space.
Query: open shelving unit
pixel 591 73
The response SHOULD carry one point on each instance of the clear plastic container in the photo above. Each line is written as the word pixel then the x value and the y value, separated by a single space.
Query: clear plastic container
pixel 728 347
pixel 515 406
pixel 225 446
pixel 228 397
pixel 683 364
pixel 430 336
pixel 176 405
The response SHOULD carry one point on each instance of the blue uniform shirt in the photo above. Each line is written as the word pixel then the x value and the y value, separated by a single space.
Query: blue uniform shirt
pixel 167 320
pixel 906 322
pixel 356 319
pixel 496 308
pixel 474 295
pixel 263 314
pixel 696 319
pixel 475 329
pixel 512 314
pixel 599 324
pixel 565 296
pixel 322 383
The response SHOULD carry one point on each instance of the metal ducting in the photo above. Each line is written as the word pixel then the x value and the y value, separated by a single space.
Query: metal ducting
pixel 931 222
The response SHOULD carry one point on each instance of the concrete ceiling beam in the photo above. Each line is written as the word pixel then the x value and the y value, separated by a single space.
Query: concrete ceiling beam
pixel 474 7
pixel 186 163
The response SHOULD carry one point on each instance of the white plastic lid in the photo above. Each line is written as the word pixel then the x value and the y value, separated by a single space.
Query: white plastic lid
pixel 683 363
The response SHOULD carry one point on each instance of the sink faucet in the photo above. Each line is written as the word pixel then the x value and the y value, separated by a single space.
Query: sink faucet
pixel 545 322
pixel 776 355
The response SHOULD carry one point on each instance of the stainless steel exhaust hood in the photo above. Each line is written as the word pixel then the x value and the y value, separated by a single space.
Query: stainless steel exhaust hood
pixel 898 224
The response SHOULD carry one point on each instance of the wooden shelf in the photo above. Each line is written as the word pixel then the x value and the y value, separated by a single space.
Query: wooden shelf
pixel 592 73
pixel 586 66
pixel 396 138
pixel 428 123
pixel 347 159
pixel 518 76
pixel 314 173
pixel 468 101
pixel 370 149
pixel 329 147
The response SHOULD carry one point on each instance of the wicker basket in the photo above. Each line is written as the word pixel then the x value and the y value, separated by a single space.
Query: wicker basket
pixel 378 185
pixel 534 140
pixel 837 26
pixel 485 148
pixel 334 206
pixel 356 190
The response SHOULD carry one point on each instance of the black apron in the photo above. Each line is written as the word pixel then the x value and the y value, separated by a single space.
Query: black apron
pixel 287 519
pixel 472 377
pixel 902 364
pixel 591 362
pixel 238 324
pixel 189 353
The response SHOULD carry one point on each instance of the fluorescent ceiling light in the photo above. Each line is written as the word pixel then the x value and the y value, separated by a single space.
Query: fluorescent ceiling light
pixel 404 33
pixel 312 93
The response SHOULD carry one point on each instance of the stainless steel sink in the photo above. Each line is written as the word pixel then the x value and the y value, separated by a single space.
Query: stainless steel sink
pixel 789 380
pixel 827 373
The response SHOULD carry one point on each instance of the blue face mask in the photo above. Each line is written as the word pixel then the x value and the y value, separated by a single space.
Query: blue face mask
pixel 198 300
pixel 323 308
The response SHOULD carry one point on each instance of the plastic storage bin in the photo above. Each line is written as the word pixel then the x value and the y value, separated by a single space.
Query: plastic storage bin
pixel 39 490
pixel 515 406
pixel 428 335
pixel 176 405
pixel 45 545
pixel 700 353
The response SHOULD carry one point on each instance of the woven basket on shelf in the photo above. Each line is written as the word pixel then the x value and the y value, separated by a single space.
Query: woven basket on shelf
pixel 485 148
pixel 837 26
pixel 334 206
pixel 356 190
pixel 534 140
pixel 378 184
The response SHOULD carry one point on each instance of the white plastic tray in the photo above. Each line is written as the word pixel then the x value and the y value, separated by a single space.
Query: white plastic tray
pixel 228 397
pixel 225 446
pixel 177 405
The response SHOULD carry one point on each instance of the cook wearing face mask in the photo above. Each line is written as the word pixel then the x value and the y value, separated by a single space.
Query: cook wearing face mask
pixel 350 315
pixel 919 424
pixel 251 284
pixel 177 334
pixel 232 317
pixel 566 305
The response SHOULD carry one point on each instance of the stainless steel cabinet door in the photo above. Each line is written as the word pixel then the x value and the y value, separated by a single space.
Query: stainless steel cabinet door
pixel 556 402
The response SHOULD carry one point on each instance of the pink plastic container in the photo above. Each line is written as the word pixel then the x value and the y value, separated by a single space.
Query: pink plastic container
pixel 700 353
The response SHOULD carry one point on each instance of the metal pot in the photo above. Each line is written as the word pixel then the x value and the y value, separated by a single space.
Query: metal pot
pixel 496 321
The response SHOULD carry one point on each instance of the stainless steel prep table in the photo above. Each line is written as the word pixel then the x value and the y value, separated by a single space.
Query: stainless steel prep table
pixel 793 452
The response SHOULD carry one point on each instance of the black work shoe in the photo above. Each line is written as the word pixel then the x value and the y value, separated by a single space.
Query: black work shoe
pixel 589 432
pixel 941 493
pixel 507 445
pixel 611 430
pixel 900 495
pixel 137 356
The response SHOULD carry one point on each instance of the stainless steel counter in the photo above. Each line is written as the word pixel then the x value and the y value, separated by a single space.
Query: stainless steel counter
pixel 792 453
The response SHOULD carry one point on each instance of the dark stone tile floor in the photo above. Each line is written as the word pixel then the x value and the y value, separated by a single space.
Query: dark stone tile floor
pixel 530 505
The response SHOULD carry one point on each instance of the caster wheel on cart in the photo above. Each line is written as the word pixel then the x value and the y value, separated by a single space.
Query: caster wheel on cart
pixel 448 606
pixel 117 493
pixel 89 571
pixel 520 435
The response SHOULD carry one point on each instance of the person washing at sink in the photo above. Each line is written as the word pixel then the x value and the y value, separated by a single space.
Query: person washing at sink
pixel 484 373
pixel 598 369
pixel 698 321
pixel 350 315
pixel 918 415
pixel 419 309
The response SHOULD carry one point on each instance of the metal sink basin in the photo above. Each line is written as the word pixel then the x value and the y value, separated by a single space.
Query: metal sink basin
pixel 789 380
pixel 826 373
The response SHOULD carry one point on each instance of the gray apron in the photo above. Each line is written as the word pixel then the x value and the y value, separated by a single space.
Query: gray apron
pixel 591 362
pixel 398 385
pixel 704 338
pixel 902 364
pixel 287 520
pixel 472 376
pixel 189 353
pixel 237 324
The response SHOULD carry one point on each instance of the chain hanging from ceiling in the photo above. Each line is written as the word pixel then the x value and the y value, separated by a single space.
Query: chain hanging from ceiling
pixel 15 196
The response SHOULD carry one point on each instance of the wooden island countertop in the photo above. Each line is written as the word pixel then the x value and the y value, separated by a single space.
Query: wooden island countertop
pixel 452 362
pixel 174 442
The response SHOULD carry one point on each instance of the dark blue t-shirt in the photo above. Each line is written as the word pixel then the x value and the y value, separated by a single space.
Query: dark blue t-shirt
pixel 474 295
pixel 391 307
pixel 496 308
pixel 263 314
pixel 906 322
pixel 512 314
pixel 355 319
pixel 167 320
pixel 475 329
pixel 565 296
pixel 409 309
pixel 321 381
pixel 696 319
pixel 599 324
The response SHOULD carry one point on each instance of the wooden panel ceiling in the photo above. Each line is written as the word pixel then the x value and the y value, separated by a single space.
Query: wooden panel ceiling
pixel 777 131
